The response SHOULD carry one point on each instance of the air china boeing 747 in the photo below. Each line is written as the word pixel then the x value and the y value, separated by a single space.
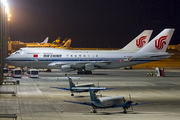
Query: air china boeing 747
pixel 84 61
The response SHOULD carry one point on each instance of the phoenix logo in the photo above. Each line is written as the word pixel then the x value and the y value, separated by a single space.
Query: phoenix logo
pixel 141 41
pixel 159 43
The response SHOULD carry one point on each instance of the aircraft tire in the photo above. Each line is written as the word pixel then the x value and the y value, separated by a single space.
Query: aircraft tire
pixel 80 72
pixel 88 72
pixel 94 111
pixel 124 112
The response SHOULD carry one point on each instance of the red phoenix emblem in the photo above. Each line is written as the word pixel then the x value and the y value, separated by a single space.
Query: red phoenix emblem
pixel 141 41
pixel 159 43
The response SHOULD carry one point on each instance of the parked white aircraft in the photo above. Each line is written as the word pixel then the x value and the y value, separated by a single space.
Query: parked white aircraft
pixel 108 102
pixel 81 87
pixel 86 60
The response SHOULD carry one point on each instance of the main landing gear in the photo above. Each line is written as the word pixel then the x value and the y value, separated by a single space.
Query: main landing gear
pixel 125 112
pixel 84 72
pixel 72 93
pixel 93 111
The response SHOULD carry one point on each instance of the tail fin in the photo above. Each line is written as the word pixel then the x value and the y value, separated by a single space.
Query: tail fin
pixel 92 95
pixel 46 40
pixel 160 42
pixel 71 84
pixel 57 41
pixel 138 42
pixel 68 43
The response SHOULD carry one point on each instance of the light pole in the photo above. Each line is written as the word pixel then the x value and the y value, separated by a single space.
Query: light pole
pixel 4 16
pixel 1 41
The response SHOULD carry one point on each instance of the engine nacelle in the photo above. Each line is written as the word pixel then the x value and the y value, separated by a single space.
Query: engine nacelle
pixel 66 68
pixel 89 67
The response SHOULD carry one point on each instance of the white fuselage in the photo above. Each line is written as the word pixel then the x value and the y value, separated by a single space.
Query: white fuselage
pixel 108 102
pixel 79 87
pixel 85 85
pixel 33 73
pixel 54 58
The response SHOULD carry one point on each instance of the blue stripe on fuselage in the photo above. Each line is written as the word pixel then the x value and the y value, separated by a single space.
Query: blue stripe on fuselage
pixel 110 60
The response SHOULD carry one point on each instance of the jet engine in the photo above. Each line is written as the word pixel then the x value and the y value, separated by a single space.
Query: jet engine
pixel 66 68
pixel 89 67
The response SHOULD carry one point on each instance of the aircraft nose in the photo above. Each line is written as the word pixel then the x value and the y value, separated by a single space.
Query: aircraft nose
pixel 7 59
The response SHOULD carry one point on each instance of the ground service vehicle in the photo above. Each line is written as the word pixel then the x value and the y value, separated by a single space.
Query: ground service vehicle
pixel 16 73
pixel 33 73
pixel 5 72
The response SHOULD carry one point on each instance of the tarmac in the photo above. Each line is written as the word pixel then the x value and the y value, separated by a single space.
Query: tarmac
pixel 36 100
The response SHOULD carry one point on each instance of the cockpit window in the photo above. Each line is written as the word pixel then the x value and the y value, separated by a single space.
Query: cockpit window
pixel 17 52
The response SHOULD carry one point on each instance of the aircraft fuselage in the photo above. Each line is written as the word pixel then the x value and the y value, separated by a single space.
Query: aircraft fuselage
pixel 53 58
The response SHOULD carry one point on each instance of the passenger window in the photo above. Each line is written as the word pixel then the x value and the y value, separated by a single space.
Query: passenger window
pixel 46 55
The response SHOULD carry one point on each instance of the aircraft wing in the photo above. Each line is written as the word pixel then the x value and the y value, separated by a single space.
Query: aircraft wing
pixel 159 56
pixel 143 103
pixel 128 105
pixel 61 88
pixel 56 64
pixel 79 63
pixel 84 88
pixel 82 103
pixel 87 88
pixel 82 63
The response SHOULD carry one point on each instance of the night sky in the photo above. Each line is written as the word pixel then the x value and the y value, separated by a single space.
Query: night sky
pixel 92 23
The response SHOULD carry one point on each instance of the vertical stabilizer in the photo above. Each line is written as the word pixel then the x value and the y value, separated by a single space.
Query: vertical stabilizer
pixel 138 42
pixel 46 40
pixel 160 42
pixel 71 84
pixel 68 43
pixel 92 95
